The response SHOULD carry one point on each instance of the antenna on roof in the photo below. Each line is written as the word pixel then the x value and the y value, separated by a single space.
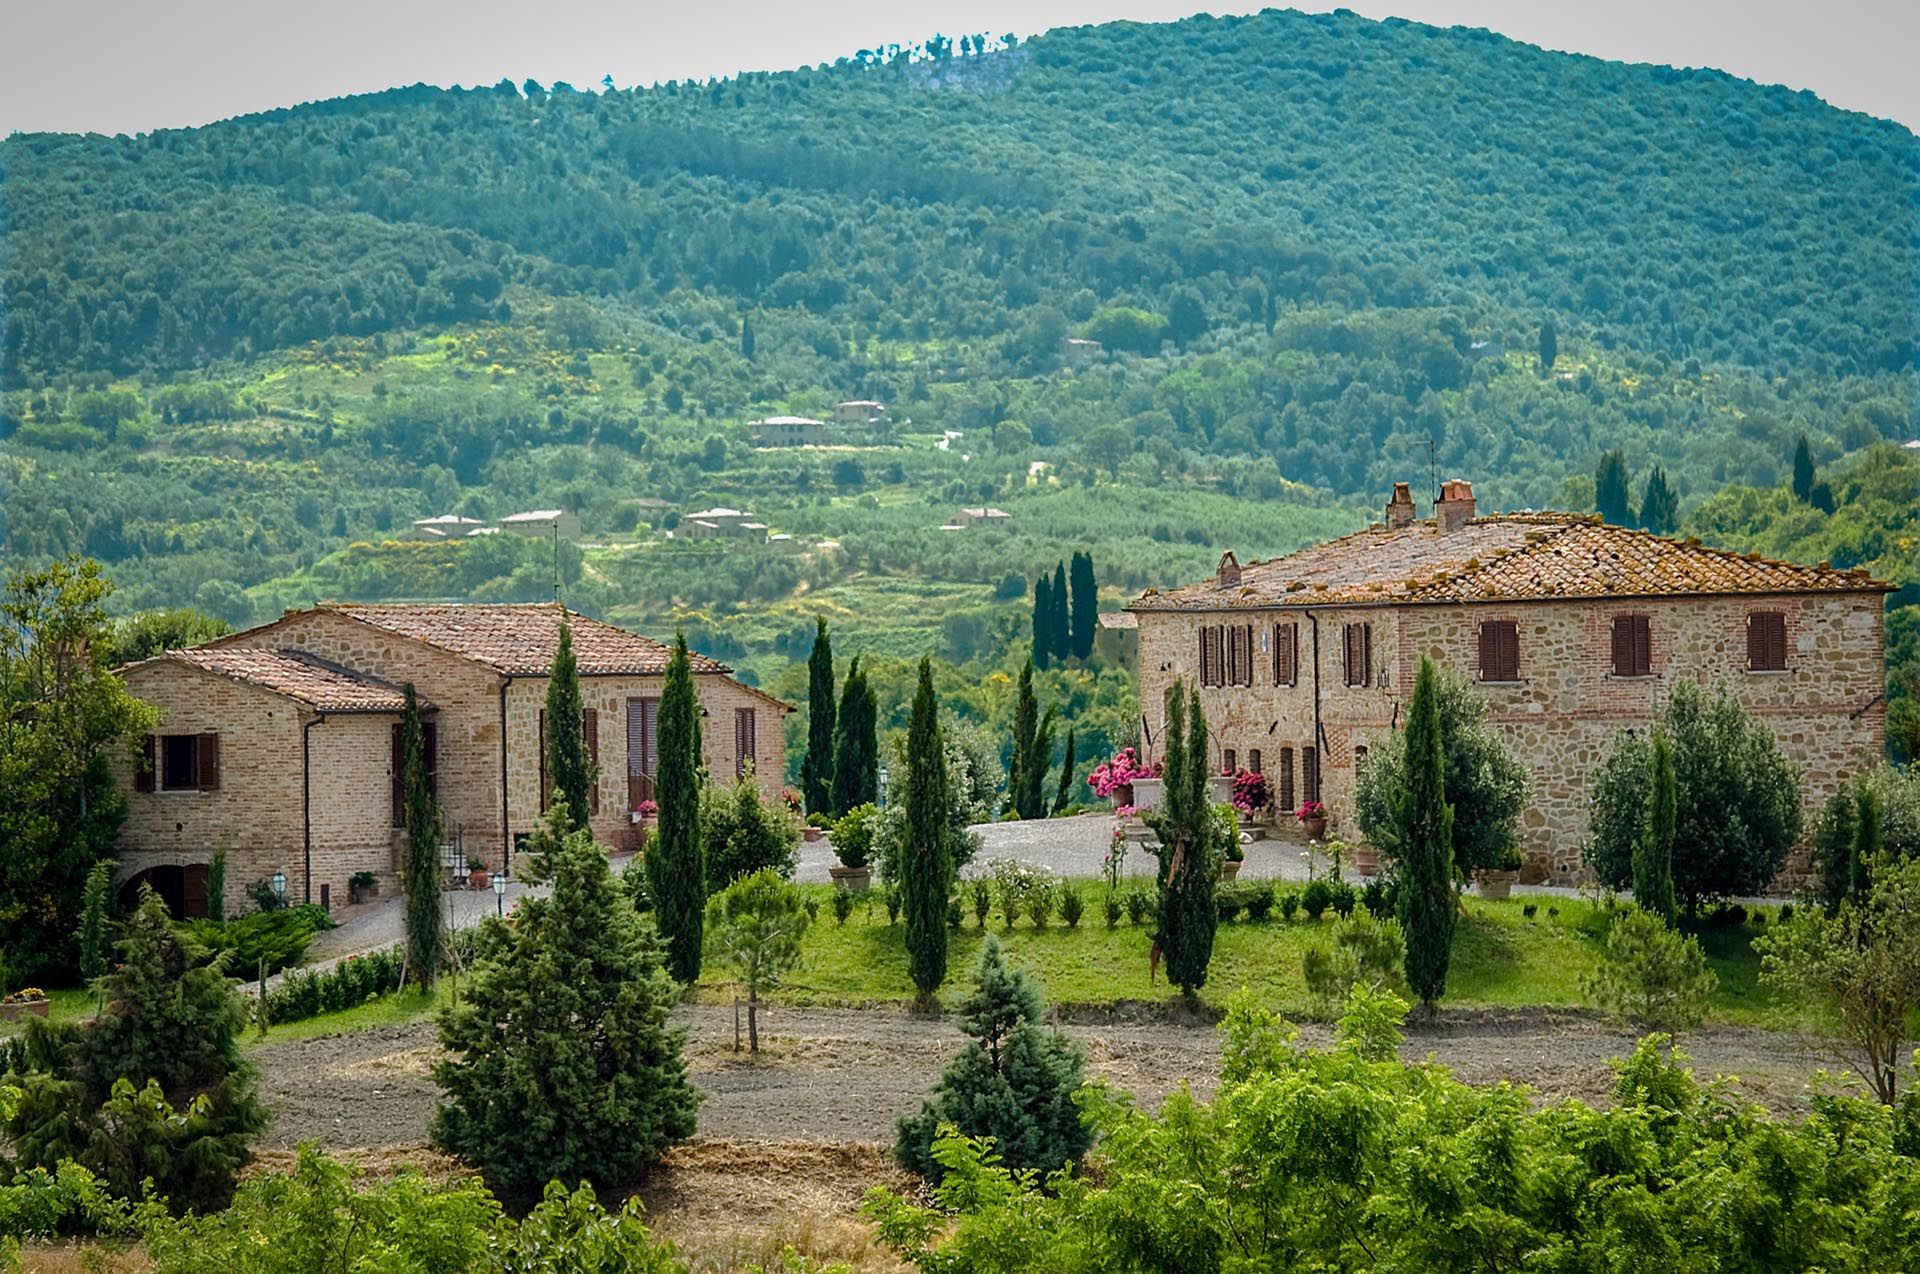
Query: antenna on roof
pixel 1433 463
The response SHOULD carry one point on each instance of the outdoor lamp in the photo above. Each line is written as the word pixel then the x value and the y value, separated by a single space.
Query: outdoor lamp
pixel 280 884
pixel 500 893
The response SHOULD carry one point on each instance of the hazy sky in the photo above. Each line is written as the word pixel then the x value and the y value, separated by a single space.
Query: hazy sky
pixel 135 65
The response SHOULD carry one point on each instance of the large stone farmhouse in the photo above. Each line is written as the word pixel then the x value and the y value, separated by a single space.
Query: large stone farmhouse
pixel 281 743
pixel 1572 629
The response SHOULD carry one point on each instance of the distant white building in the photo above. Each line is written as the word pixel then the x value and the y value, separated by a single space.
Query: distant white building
pixel 1078 349
pixel 790 431
pixel 965 518
pixel 446 526
pixel 720 523
pixel 543 522
pixel 859 411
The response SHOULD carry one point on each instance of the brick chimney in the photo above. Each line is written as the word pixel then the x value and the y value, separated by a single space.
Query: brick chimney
pixel 1454 509
pixel 1400 508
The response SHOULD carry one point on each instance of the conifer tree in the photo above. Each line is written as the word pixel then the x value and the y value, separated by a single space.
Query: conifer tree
pixel 422 867
pixel 856 745
pixel 1061 639
pixel 755 925
pixel 1425 831
pixel 217 887
pixel 1802 470
pixel 1612 496
pixel 676 866
pixel 1866 841
pixel 1035 778
pixel 816 770
pixel 1653 852
pixel 746 337
pixel 1064 796
pixel 1026 723
pixel 93 919
pixel 569 768
pixel 1042 620
pixel 1086 604
pixel 1189 846
pixel 1659 506
pixel 925 869
pixel 1834 839
pixel 559 1060
pixel 1014 1082
pixel 1549 348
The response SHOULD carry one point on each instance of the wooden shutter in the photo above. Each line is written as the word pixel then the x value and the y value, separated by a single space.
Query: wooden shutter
pixel 1500 650
pixel 745 744
pixel 1286 639
pixel 1366 654
pixel 1359 653
pixel 590 731
pixel 1310 773
pixel 1766 641
pixel 1212 656
pixel 144 768
pixel 398 766
pixel 1229 761
pixel 1642 646
pixel 1286 780
pixel 206 763
pixel 1632 646
pixel 1253 761
pixel 641 719
pixel 1240 655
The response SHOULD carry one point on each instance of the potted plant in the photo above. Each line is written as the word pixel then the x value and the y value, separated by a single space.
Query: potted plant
pixel 853 846
pixel 1495 883
pixel 1366 860
pixel 1252 798
pixel 477 875
pixel 1313 819
pixel 643 813
pixel 815 826
pixel 1233 850
pixel 1113 780
pixel 361 886
pixel 28 999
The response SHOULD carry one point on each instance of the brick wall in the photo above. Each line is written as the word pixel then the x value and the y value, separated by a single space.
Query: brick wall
pixel 1564 712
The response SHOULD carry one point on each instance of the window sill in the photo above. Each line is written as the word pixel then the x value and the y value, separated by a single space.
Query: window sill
pixel 1768 672
pixel 1631 676
pixel 1516 682
pixel 180 791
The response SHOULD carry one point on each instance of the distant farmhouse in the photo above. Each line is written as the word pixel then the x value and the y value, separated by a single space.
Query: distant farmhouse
pixel 282 743
pixel 860 411
pixel 790 431
pixel 964 519
pixel 447 526
pixel 534 523
pixel 542 523
pixel 1572 630
pixel 720 524
pixel 1078 349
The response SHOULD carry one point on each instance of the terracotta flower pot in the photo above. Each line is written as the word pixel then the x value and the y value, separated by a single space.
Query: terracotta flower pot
pixel 1315 828
pixel 1122 795
pixel 479 878
pixel 1366 860
pixel 810 834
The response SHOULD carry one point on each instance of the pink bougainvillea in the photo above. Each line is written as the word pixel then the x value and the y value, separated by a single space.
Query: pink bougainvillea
pixel 1126 767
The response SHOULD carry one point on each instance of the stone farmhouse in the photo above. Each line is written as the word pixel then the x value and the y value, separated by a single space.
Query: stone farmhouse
pixel 281 743
pixel 1572 629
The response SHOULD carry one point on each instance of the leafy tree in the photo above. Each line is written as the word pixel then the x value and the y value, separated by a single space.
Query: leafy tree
pixel 1802 470
pixel 1064 796
pixel 570 770
pixel 1863 963
pixel 744 834
pixel 155 1087
pixel 1549 348
pixel 676 864
pixel 1423 828
pixel 1653 851
pixel 64 712
pixel 1485 783
pixel 856 744
pixel 754 928
pixel 1186 316
pixel 559 1060
pixel 1085 605
pixel 150 632
pixel 1060 624
pixel 1042 620
pixel 1651 974
pixel 423 869
pixel 1659 506
pixel 1189 847
pixel 1737 800
pixel 1013 1083
pixel 926 866
pixel 95 898
pixel 816 771
pixel 1612 496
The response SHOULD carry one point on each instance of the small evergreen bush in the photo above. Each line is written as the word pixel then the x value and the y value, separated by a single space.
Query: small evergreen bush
pixel 1649 974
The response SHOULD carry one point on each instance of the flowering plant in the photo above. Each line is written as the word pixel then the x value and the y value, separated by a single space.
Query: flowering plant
pixel 792 799
pixel 1250 792
pixel 1125 767
pixel 647 808
pixel 1310 809
pixel 26 994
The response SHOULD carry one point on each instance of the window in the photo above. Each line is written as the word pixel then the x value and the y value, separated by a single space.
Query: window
pixel 1359 757
pixel 1632 646
pixel 643 717
pixel 1310 773
pixel 745 748
pixel 1359 653
pixel 1500 650
pixel 1240 655
pixel 1253 761
pixel 1767 641
pixel 590 738
pixel 1212 660
pixel 1230 762
pixel 180 763
pixel 1286 648
pixel 430 746
pixel 1283 786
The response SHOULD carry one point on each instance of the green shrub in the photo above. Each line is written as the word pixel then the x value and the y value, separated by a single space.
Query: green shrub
pixel 842 905
pixel 982 900
pixel 352 982
pixel 1342 898
pixel 1227 902
pixel 744 833
pixel 1361 949
pixel 1139 906
pixel 280 938
pixel 1651 975
pixel 1316 898
pixel 1113 909
pixel 1072 906
pixel 853 834
pixel 1289 904
pixel 1260 901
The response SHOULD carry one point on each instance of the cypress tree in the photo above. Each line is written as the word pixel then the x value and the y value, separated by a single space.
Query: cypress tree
pixel 1086 604
pixel 856 745
pixel 1549 348
pixel 1062 626
pixel 1064 796
pixel 924 864
pixel 422 867
pixel 1653 852
pixel 1802 470
pixel 676 867
pixel 1188 848
pixel 816 770
pixel 1866 841
pixel 746 337
pixel 93 918
pixel 1612 496
pixel 570 774
pixel 1659 506
pixel 1035 778
pixel 1834 840
pixel 1425 832
pixel 1026 713
pixel 1042 620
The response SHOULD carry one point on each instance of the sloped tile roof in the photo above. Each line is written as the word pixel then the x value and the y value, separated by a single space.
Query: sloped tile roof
pixel 520 640
pixel 1509 557
pixel 297 675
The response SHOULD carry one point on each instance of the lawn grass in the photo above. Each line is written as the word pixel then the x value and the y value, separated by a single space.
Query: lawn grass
pixel 392 1009
pixel 67 1004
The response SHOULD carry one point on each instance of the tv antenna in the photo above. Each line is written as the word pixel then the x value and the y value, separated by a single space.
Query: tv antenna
pixel 1433 464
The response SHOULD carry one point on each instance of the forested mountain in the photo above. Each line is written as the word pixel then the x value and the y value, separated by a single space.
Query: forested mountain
pixel 1321 253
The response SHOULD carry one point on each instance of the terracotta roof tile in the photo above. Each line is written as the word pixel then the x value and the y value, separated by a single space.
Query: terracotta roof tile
pixel 519 640
pixel 1510 557
pixel 298 675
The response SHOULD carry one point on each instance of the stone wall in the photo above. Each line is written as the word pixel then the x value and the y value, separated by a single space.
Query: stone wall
pixel 1565 710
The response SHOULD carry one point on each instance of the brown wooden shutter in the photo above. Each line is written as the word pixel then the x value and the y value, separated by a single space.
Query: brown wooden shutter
pixel 590 731
pixel 206 765
pixel 1632 646
pixel 1310 773
pixel 1766 641
pixel 144 768
pixel 745 745
pixel 1366 654
pixel 1286 780
pixel 640 723
pixel 1283 641
pixel 1499 650
pixel 399 767
pixel 1253 761
pixel 1359 653
pixel 1642 646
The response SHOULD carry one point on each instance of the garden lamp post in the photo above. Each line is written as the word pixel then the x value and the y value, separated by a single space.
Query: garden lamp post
pixel 500 893
pixel 280 887
pixel 883 786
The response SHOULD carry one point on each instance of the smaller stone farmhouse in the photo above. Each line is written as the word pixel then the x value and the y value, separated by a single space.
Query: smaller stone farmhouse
pixel 281 743
pixel 1572 630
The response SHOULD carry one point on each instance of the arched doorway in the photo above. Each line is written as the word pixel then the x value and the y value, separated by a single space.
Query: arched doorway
pixel 182 887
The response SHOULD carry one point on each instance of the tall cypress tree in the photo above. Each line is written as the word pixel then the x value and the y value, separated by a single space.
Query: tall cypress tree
pixel 1802 470
pixel 1188 848
pixel 1659 506
pixel 1035 778
pixel 1026 714
pixel 1867 841
pixel 1064 796
pixel 423 869
pixel 1653 852
pixel 856 744
pixel 816 770
pixel 925 864
pixel 1042 620
pixel 1062 627
pixel 569 770
pixel 1612 494
pixel 1425 831
pixel 1086 604
pixel 677 868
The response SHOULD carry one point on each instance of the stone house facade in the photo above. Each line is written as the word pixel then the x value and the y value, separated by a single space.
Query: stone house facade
pixel 1572 629
pixel 298 723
